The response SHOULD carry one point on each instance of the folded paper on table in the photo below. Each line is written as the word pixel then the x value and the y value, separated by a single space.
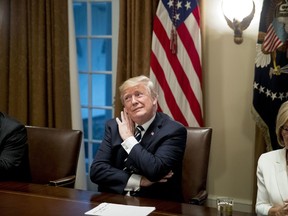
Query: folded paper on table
pixel 111 209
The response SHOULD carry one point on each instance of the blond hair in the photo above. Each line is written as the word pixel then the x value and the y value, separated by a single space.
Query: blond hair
pixel 136 81
pixel 282 118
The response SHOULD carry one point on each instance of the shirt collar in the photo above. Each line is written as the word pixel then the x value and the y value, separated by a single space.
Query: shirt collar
pixel 147 124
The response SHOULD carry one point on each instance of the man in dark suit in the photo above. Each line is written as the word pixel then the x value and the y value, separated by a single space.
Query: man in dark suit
pixel 13 149
pixel 150 167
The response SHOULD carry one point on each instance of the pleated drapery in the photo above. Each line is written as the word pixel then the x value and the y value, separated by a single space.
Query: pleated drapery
pixel 34 62
pixel 134 43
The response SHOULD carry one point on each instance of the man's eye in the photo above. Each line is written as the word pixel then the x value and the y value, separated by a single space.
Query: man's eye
pixel 127 98
pixel 138 94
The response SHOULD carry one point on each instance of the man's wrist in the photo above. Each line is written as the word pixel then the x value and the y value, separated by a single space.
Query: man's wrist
pixel 133 183
pixel 129 143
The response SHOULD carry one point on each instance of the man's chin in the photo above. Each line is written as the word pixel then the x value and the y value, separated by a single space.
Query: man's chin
pixel 138 112
pixel 137 116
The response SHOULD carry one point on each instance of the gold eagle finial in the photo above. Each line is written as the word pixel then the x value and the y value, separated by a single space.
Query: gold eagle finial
pixel 237 26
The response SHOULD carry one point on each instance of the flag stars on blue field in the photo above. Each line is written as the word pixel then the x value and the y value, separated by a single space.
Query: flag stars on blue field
pixel 269 93
pixel 179 4
pixel 255 85
pixel 177 16
pixel 179 10
pixel 261 89
pixel 273 95
pixel 188 5
pixel 281 96
pixel 170 3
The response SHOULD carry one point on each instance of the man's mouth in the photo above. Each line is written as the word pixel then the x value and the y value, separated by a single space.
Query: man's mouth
pixel 137 109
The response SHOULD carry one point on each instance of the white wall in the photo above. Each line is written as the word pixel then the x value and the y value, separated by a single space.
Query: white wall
pixel 228 73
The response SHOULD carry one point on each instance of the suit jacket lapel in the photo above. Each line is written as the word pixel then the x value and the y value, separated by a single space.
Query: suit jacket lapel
pixel 281 174
pixel 152 130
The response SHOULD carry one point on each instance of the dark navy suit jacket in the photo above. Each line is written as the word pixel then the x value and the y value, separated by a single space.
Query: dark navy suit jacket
pixel 160 150
pixel 13 149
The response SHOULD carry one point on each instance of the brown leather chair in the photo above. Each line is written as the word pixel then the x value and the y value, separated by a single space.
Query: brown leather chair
pixel 195 164
pixel 53 155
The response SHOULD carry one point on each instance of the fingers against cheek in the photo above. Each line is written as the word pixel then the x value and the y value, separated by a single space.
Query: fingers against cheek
pixel 125 110
pixel 118 121
pixel 123 116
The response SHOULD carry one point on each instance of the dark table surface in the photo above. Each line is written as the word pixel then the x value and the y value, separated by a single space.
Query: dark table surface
pixel 33 199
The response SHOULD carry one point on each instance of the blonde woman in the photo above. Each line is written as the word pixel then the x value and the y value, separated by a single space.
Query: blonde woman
pixel 272 179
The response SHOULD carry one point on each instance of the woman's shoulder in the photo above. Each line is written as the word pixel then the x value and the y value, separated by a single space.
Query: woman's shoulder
pixel 272 155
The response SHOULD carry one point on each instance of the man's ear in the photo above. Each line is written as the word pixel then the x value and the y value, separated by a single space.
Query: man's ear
pixel 154 101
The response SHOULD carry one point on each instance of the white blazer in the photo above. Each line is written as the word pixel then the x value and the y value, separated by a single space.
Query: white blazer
pixel 272 181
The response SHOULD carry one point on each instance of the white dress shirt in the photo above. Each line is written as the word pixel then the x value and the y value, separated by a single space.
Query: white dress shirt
pixel 133 183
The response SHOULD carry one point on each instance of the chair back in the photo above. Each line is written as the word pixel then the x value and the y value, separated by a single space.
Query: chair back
pixel 195 163
pixel 53 153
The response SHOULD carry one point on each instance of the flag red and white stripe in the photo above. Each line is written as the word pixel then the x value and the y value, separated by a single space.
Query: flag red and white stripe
pixel 178 76
pixel 276 36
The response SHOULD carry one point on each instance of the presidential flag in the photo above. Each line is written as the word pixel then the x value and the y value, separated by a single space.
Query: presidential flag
pixel 270 88
pixel 175 65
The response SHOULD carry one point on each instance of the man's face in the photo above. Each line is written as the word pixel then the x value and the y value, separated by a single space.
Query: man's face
pixel 139 104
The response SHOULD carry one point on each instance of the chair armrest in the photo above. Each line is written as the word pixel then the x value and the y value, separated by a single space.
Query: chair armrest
pixel 63 182
pixel 200 198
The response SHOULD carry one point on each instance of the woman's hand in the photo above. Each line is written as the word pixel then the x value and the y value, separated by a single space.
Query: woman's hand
pixel 279 210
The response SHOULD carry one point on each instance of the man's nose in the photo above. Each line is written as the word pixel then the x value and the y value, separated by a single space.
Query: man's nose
pixel 133 99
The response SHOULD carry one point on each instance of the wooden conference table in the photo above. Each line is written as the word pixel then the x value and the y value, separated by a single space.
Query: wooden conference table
pixel 31 199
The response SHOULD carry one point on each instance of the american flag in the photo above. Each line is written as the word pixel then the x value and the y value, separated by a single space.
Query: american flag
pixel 275 37
pixel 175 65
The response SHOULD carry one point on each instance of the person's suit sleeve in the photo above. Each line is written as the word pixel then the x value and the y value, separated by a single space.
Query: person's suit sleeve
pixel 262 202
pixel 13 147
pixel 102 171
pixel 165 154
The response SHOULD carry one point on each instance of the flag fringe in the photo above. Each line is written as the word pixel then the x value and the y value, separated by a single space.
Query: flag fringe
pixel 263 128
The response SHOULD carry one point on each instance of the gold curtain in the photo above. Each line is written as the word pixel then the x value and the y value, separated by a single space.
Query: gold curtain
pixel 34 63
pixel 134 43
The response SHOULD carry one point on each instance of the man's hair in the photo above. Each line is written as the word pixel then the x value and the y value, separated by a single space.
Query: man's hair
pixel 134 81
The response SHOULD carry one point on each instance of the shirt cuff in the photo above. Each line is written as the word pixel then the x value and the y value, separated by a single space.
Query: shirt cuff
pixel 129 143
pixel 133 183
